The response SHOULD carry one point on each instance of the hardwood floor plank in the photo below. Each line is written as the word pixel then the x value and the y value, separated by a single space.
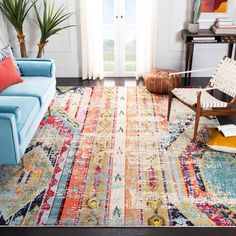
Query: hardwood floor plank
pixel 75 231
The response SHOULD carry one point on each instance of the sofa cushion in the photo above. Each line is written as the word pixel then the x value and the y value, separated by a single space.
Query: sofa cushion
pixel 8 52
pixel 8 74
pixel 38 87
pixel 36 68
pixel 219 142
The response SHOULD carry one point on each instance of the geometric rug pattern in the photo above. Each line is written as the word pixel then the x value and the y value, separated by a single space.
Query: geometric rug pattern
pixel 108 157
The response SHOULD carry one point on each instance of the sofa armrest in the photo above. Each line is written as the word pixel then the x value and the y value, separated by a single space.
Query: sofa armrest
pixel 11 110
pixel 9 142
pixel 36 67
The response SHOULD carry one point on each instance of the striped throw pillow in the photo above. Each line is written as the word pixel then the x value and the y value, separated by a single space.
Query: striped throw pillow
pixel 8 52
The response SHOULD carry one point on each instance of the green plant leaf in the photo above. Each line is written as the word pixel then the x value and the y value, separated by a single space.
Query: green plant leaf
pixel 196 10
pixel 50 19
pixel 16 11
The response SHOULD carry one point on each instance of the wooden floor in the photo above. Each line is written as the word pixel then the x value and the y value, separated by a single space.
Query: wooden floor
pixel 74 231
pixel 105 82
pixel 127 82
pixel 120 231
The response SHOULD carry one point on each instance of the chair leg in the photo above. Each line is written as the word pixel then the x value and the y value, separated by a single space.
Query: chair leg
pixel 169 105
pixel 49 111
pixel 197 119
pixel 198 114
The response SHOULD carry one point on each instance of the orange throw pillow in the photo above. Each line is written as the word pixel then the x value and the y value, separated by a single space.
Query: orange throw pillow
pixel 8 74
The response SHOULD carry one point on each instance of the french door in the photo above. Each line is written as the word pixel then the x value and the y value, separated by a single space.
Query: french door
pixel 119 40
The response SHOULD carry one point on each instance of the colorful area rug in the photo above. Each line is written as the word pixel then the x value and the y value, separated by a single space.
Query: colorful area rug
pixel 108 157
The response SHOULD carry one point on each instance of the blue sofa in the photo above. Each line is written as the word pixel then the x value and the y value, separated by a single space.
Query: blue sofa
pixel 23 105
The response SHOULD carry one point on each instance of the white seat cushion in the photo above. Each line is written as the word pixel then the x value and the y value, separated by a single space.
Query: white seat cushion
pixel 189 96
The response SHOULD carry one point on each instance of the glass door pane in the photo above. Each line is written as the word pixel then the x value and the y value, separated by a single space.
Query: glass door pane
pixel 130 49
pixel 119 43
pixel 130 36
pixel 109 36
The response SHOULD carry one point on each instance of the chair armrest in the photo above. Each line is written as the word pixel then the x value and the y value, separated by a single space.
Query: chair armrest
pixel 36 67
pixel 207 89
pixel 232 103
pixel 190 71
pixel 11 110
pixel 9 142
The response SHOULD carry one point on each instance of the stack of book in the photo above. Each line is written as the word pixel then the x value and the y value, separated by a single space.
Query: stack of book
pixel 224 25
pixel 204 40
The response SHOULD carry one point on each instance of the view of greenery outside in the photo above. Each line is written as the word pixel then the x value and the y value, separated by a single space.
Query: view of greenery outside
pixel 109 61
pixel 130 61
pixel 109 56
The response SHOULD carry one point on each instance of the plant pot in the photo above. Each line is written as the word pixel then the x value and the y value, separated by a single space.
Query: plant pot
pixel 193 27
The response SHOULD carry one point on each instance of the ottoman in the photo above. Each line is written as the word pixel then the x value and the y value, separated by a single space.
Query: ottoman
pixel 157 81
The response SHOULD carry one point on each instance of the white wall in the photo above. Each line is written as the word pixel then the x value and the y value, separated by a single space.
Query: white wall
pixel 172 17
pixel 63 48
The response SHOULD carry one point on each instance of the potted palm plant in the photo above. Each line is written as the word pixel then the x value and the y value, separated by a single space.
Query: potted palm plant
pixel 193 26
pixel 16 11
pixel 50 23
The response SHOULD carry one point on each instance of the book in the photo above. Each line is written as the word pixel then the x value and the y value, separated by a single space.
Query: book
pixel 204 38
pixel 217 30
pixel 227 130
pixel 225 23
pixel 225 32
pixel 225 26
pixel 205 41
pixel 223 19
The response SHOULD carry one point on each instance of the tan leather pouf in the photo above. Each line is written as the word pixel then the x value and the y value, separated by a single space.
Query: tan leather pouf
pixel 157 81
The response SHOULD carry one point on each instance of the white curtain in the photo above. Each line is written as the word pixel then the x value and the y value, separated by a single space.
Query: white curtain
pixel 3 33
pixel 146 36
pixel 91 18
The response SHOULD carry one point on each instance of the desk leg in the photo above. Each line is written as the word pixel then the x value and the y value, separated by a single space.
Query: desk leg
pixel 186 64
pixel 235 52
pixel 230 50
pixel 191 50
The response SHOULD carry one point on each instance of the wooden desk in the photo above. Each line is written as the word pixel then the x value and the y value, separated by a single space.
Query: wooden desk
pixel 188 39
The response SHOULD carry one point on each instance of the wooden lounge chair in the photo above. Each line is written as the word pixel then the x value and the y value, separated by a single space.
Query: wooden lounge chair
pixel 202 101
